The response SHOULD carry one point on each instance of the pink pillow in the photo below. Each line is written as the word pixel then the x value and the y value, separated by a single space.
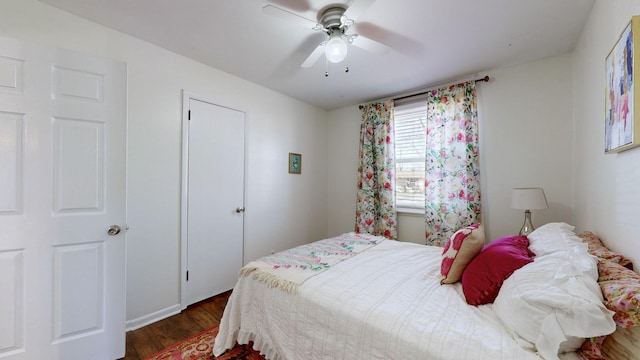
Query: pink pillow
pixel 484 276
pixel 463 246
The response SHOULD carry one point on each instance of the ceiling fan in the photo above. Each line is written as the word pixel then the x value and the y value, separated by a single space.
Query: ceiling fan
pixel 334 21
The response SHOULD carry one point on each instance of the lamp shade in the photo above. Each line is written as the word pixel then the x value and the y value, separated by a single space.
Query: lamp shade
pixel 528 199
pixel 336 48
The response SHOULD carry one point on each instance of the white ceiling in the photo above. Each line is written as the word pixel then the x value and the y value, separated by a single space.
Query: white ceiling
pixel 432 41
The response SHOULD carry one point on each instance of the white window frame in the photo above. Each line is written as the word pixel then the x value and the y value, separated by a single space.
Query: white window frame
pixel 410 110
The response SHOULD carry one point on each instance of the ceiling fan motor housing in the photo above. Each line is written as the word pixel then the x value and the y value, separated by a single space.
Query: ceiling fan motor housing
pixel 330 18
pixel 334 20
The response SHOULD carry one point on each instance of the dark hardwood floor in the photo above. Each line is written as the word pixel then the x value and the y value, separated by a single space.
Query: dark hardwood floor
pixel 152 338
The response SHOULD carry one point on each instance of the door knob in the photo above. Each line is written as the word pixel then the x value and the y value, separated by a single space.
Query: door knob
pixel 113 230
pixel 240 210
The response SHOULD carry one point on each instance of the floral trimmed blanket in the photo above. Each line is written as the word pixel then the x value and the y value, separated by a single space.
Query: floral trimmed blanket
pixel 290 268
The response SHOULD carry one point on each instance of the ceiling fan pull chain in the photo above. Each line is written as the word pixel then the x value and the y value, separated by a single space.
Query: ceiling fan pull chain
pixel 326 67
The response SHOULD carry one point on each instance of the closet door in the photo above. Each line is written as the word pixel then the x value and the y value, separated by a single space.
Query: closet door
pixel 62 186
pixel 215 201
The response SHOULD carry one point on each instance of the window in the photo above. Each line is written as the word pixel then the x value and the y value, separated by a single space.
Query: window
pixel 410 151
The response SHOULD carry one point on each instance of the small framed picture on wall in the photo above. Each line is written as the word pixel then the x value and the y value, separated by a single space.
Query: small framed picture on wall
pixel 295 163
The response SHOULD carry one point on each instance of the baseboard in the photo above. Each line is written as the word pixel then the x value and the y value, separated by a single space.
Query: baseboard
pixel 153 317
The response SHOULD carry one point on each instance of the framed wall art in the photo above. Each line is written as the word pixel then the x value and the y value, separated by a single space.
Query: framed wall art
pixel 295 163
pixel 622 108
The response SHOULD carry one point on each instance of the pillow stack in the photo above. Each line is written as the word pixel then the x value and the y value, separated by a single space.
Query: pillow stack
pixel 544 286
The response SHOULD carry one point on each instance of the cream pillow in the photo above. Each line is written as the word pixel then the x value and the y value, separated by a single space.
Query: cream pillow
pixel 458 252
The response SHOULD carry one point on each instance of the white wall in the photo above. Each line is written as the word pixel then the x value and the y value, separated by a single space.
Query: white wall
pixel 607 187
pixel 524 115
pixel 283 210
pixel 525 120
pixel 343 146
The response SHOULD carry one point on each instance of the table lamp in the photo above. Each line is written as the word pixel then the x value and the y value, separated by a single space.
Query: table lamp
pixel 528 199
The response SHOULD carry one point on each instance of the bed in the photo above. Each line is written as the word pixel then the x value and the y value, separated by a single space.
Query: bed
pixel 363 297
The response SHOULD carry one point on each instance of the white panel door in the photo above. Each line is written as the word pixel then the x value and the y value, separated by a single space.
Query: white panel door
pixel 215 209
pixel 62 185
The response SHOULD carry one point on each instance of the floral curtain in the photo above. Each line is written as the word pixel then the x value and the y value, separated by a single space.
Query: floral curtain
pixel 375 204
pixel 452 174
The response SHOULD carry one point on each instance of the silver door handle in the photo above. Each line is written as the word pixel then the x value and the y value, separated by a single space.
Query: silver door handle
pixel 240 210
pixel 113 230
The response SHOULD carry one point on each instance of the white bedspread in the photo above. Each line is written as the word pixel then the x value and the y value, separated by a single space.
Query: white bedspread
pixel 385 303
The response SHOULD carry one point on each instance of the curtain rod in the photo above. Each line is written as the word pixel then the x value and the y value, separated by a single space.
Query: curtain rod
pixel 485 79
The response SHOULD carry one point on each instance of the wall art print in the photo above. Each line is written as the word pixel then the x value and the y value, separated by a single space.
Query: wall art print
pixel 622 130
pixel 295 163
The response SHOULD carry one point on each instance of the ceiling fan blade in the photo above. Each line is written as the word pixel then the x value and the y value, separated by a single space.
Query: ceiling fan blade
pixel 358 8
pixel 314 56
pixel 371 45
pixel 288 16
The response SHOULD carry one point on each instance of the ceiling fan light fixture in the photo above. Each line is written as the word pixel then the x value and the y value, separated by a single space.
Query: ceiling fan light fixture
pixel 336 48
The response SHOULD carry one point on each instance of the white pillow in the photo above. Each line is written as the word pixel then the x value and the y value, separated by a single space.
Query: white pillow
pixel 550 309
pixel 551 238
